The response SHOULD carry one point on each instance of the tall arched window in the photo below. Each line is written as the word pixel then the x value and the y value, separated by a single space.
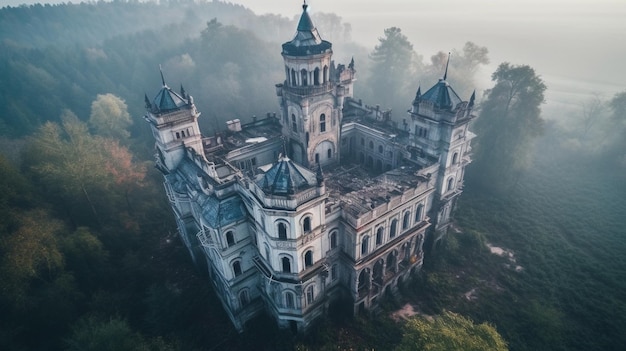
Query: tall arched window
pixel 418 213
pixel 316 76
pixel 230 238
pixel 380 233
pixel 329 153
pixel 286 263
pixel 393 228
pixel 294 81
pixel 455 158
pixel 282 231
pixel 406 221
pixel 333 240
pixel 365 245
pixel 304 77
pixel 325 74
pixel 306 225
pixel 450 183
pixel 310 294
pixel 289 300
pixel 294 123
pixel 322 123
pixel 308 259
pixel 244 298
pixel 380 149
pixel 237 268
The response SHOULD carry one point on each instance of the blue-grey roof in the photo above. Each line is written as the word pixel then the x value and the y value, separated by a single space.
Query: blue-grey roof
pixel 168 100
pixel 307 40
pixel 220 213
pixel 284 178
pixel 442 96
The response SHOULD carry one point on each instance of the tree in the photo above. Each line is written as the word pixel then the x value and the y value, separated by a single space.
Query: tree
pixel 450 332
pixel 109 117
pixel 509 121
pixel 395 65
pixel 618 106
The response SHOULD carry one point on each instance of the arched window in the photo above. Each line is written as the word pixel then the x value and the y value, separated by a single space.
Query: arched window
pixel 230 238
pixel 325 74
pixel 237 268
pixel 418 213
pixel 406 220
pixel 310 294
pixel 306 225
pixel 455 158
pixel 365 245
pixel 289 300
pixel 317 157
pixel 316 76
pixel 450 183
pixel 244 298
pixel 380 233
pixel 286 263
pixel 294 81
pixel 333 240
pixel 294 123
pixel 308 259
pixel 329 153
pixel 393 228
pixel 287 75
pixel 322 123
pixel 303 75
pixel 380 149
pixel 282 231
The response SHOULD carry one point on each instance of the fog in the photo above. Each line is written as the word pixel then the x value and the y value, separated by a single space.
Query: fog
pixel 576 46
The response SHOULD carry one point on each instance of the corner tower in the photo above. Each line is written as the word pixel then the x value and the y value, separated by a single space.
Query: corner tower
pixel 311 97
pixel 173 120
pixel 440 133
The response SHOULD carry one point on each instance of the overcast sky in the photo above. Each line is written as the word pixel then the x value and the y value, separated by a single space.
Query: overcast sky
pixel 568 42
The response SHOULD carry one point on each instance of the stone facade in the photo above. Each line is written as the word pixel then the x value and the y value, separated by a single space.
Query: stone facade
pixel 327 201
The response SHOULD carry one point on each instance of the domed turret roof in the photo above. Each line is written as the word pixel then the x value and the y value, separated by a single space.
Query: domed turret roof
pixel 168 100
pixel 307 40
pixel 442 96
pixel 285 177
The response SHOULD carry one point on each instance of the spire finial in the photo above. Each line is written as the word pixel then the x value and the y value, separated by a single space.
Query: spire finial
pixel 304 6
pixel 162 79
pixel 445 75
pixel 147 101
pixel 472 98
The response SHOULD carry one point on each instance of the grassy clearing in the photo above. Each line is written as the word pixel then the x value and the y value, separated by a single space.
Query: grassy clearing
pixel 565 222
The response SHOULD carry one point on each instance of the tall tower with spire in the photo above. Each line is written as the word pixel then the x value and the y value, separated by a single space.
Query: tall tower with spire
pixel 440 133
pixel 312 95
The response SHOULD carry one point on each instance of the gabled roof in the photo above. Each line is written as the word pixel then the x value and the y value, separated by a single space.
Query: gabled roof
pixel 168 100
pixel 442 96
pixel 307 40
pixel 285 178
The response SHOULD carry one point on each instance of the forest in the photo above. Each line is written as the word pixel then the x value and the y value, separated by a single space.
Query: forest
pixel 89 254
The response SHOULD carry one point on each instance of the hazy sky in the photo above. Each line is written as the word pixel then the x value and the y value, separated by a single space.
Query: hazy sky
pixel 579 47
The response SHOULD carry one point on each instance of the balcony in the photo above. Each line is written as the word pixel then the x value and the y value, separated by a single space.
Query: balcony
pixel 308 90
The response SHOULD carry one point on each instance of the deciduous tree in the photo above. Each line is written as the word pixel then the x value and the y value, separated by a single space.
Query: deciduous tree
pixel 450 332
pixel 508 123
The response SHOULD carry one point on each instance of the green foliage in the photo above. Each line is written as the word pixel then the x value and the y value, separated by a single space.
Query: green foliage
pixel 450 332
pixel 109 117
pixel 509 121
pixel 395 66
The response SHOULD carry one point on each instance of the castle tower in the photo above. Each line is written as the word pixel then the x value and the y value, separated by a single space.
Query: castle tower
pixel 173 120
pixel 440 133
pixel 311 97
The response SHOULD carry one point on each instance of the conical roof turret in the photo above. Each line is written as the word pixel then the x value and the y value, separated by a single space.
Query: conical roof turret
pixel 307 40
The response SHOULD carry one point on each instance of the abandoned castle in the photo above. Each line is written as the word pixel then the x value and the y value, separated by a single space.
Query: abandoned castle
pixel 327 201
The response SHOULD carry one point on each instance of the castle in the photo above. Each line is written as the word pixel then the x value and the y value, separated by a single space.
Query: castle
pixel 327 201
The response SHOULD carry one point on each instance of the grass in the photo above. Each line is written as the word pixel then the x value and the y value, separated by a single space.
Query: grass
pixel 566 223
